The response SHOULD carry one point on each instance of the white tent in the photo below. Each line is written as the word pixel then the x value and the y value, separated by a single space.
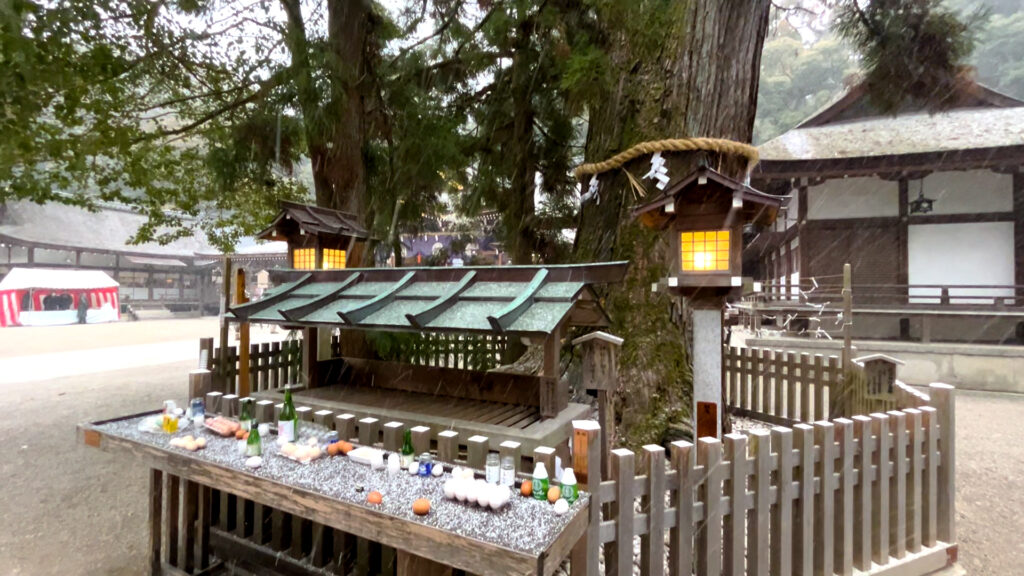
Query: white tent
pixel 45 297
pixel 33 278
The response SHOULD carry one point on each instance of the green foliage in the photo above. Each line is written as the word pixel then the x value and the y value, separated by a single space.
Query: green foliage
pixel 912 50
pixel 998 55
pixel 797 80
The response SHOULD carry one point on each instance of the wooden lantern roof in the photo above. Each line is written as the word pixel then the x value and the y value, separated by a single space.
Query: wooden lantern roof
pixel 302 219
pixel 520 300
pixel 708 186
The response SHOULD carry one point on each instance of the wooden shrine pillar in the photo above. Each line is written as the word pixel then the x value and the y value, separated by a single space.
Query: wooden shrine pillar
pixel 243 338
pixel 225 303
pixel 554 396
pixel 707 371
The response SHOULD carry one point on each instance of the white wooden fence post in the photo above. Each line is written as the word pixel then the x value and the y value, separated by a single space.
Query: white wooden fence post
pixel 803 509
pixel 652 544
pixel 824 500
pixel 759 528
pixel 709 535
pixel 944 401
pixel 844 498
pixel 880 495
pixel 913 508
pixel 620 561
pixel 782 513
pixel 680 551
pixel 734 525
pixel 929 489
pixel 898 485
pixel 862 496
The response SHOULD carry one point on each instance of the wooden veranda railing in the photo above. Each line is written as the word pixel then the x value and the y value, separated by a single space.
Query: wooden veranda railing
pixel 874 493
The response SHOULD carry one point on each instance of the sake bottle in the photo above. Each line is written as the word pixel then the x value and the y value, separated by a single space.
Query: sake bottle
pixel 288 421
pixel 408 452
pixel 254 446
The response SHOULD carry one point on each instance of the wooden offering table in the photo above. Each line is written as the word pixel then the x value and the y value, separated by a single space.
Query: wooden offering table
pixel 214 511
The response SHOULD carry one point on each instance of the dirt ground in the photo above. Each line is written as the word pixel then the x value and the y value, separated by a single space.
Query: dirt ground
pixel 70 510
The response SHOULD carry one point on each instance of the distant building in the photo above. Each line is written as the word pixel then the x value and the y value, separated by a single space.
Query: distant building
pixel 925 207
pixel 181 275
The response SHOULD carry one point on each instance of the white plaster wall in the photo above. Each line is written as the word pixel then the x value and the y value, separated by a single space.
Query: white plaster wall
pixel 861 197
pixel 950 254
pixel 967 192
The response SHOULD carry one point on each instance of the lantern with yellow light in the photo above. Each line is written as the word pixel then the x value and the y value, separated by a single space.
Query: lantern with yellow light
pixel 704 215
pixel 318 238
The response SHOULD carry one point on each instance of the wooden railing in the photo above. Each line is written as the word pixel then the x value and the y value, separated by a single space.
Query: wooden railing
pixel 874 492
pixel 271 365
pixel 785 387
pixel 829 291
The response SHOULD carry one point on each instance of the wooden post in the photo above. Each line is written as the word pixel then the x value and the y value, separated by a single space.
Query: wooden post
pixel 393 436
pixel 420 440
pixel 760 529
pixel 929 490
pixel 545 454
pixel 709 534
pixel 880 495
pixel 898 485
pixel 243 337
pixel 512 448
pixel 156 501
pixel 213 402
pixel 586 458
pixel 309 357
pixel 477 448
pixel 862 499
pixel 200 382
pixel 448 446
pixel 223 343
pixel 803 510
pixel 652 544
pixel 843 511
pixel 411 565
pixel 620 561
pixel 944 401
pixel 847 317
pixel 345 424
pixel 680 551
pixel 782 514
pixel 369 428
pixel 824 503
pixel 913 508
pixel 735 488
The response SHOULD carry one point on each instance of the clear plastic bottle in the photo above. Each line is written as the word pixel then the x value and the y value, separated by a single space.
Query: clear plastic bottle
pixel 492 468
pixel 508 472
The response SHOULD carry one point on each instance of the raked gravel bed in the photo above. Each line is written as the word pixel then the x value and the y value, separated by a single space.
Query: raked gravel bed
pixel 524 525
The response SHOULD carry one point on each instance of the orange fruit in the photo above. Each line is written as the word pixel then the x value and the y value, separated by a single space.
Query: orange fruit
pixel 554 493
pixel 345 447
pixel 332 449
pixel 527 488
pixel 374 497
pixel 421 507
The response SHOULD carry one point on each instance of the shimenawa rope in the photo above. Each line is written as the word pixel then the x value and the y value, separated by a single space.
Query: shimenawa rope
pixel 718 145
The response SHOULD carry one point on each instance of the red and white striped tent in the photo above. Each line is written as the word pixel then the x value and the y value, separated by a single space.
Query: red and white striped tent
pixel 23 290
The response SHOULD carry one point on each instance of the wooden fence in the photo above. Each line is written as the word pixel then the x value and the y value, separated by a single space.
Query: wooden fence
pixel 271 365
pixel 787 387
pixel 872 493
pixel 460 351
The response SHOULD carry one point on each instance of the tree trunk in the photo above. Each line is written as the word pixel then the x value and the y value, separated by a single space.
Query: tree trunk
pixel 335 123
pixel 699 79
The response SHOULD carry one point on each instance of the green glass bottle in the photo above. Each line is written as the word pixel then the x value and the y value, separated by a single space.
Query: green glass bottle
pixel 245 419
pixel 254 446
pixel 408 453
pixel 288 421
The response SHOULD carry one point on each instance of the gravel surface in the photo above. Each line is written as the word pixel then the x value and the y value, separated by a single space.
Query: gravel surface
pixel 525 524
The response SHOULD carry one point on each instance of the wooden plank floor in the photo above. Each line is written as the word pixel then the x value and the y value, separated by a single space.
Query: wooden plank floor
pixel 497 413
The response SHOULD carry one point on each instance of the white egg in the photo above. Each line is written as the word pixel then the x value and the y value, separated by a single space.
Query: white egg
pixel 461 487
pixel 254 462
pixel 471 492
pixel 414 468
pixel 561 506
pixel 241 446
pixel 437 470
pixel 499 497
pixel 449 489
pixel 483 496
pixel 201 442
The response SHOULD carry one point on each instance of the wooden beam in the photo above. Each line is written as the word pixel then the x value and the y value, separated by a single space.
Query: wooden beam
pixel 504 318
pixel 361 312
pixel 1018 231
pixel 444 302
pixel 243 337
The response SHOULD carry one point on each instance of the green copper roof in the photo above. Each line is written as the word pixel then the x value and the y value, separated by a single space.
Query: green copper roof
pixel 513 299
